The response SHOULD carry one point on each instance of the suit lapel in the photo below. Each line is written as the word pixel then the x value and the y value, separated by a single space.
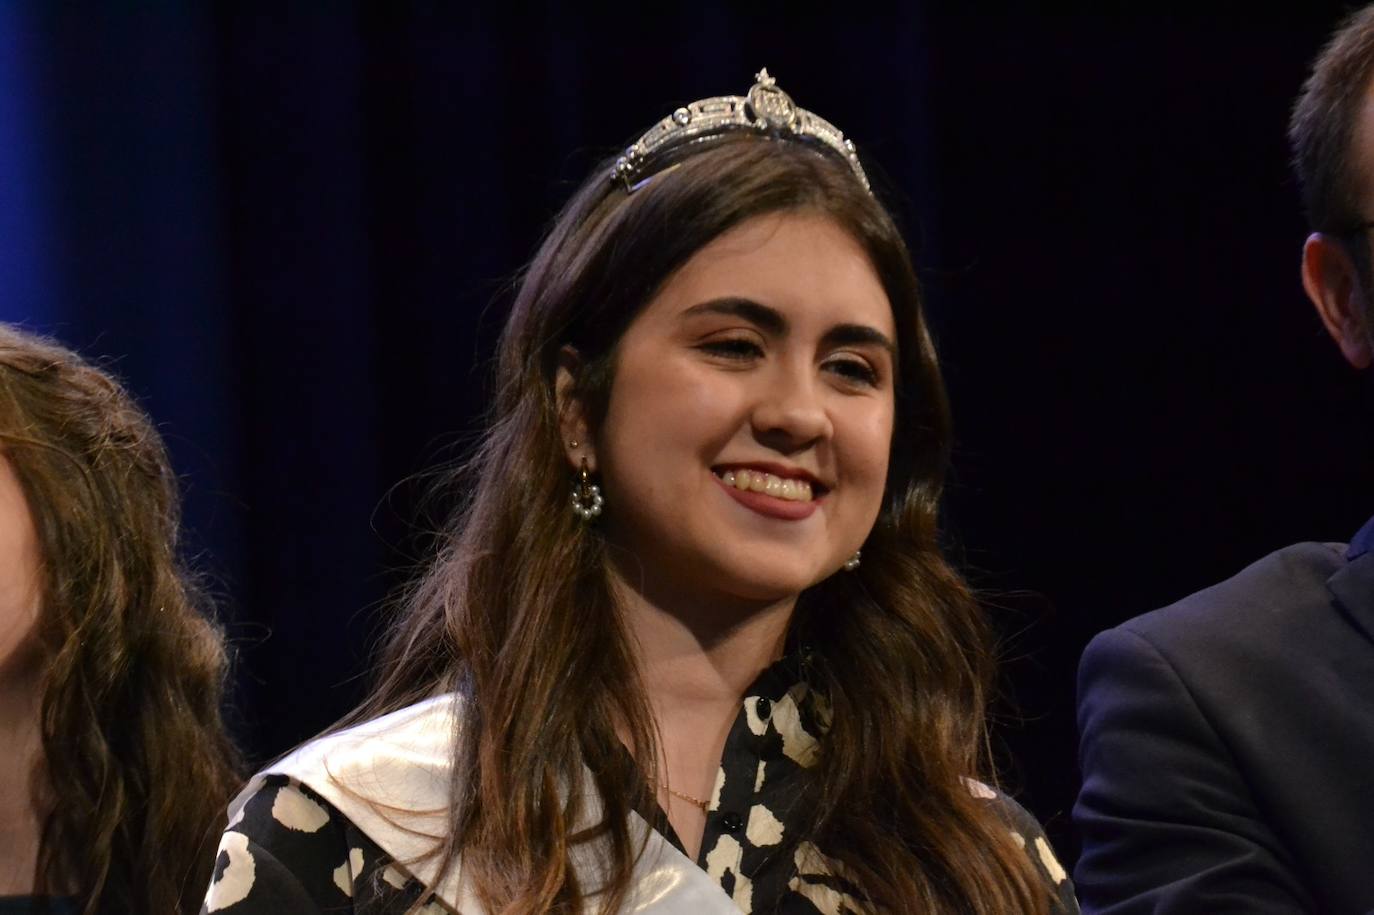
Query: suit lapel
pixel 1353 588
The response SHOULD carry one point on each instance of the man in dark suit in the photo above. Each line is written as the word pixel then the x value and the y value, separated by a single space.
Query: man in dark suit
pixel 1228 740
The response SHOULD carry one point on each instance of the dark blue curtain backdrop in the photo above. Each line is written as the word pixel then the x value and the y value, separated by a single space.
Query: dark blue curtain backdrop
pixel 290 232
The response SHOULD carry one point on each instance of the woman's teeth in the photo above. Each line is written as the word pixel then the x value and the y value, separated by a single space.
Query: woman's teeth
pixel 767 483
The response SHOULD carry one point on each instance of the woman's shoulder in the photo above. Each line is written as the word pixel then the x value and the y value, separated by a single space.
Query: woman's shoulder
pixel 338 805
pixel 288 849
pixel 415 736
pixel 399 762
pixel 1025 831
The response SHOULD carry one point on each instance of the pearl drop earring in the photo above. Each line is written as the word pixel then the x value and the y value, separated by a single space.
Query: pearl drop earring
pixel 586 495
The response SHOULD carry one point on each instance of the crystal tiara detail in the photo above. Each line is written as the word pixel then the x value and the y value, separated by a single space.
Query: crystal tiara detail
pixel 766 110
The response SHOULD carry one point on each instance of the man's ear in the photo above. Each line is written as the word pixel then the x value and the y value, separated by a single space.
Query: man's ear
pixel 1334 285
pixel 572 411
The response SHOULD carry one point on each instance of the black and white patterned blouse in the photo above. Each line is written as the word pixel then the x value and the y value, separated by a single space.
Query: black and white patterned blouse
pixel 292 851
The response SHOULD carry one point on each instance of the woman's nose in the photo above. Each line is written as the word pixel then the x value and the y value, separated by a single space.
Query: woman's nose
pixel 790 412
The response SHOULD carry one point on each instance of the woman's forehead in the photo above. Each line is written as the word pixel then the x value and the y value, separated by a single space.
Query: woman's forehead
pixel 802 262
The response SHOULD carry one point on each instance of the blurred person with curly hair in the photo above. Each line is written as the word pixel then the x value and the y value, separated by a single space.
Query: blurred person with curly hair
pixel 114 763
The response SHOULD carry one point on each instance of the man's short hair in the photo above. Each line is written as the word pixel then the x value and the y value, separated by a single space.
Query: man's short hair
pixel 1321 130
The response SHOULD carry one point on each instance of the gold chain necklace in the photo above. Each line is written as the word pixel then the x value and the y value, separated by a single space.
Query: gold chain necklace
pixel 697 802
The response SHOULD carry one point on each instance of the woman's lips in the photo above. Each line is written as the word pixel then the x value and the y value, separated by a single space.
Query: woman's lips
pixel 767 505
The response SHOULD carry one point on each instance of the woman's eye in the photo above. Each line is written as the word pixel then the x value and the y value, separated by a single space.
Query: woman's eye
pixel 733 348
pixel 854 370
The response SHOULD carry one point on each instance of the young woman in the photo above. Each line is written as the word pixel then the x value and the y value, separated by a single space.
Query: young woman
pixel 731 670
pixel 113 763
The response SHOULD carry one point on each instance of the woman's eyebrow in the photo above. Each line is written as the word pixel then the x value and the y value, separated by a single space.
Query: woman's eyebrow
pixel 859 335
pixel 769 320
pixel 773 322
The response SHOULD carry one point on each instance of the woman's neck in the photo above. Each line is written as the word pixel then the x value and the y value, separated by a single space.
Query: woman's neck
pixel 693 654
pixel 696 662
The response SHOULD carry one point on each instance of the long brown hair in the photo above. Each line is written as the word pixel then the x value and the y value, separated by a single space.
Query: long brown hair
pixel 136 767
pixel 517 612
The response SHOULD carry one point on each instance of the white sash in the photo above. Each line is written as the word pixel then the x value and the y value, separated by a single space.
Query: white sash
pixel 390 777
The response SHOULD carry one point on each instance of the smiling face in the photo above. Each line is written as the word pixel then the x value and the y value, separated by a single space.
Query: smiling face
pixel 744 448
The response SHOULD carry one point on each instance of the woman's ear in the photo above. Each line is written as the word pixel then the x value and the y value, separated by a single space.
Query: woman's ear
pixel 572 410
pixel 1334 285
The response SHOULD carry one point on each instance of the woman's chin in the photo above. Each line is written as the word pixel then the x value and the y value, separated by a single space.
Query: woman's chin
pixel 765 583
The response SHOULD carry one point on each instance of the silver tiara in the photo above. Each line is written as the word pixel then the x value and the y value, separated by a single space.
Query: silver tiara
pixel 765 110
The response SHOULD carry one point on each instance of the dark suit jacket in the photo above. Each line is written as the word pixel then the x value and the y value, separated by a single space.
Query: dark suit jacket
pixel 1228 745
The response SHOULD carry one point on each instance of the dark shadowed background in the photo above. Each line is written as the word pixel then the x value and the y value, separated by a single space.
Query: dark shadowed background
pixel 290 232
